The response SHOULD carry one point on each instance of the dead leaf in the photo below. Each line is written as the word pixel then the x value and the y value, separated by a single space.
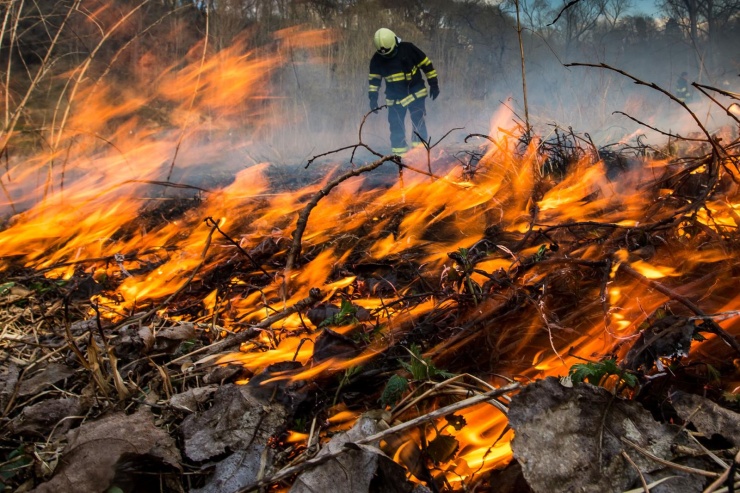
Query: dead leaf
pixel 355 470
pixel 568 439
pixel 168 339
pixel 708 417
pixel 330 344
pixel 192 399
pixel 236 419
pixel 41 418
pixel 97 450
pixel 238 470
pixel 222 374
pixel 50 375
pixel 8 380
pixel 133 342
pixel 240 422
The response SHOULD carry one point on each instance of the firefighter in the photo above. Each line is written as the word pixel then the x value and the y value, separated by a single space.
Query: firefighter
pixel 400 63
pixel 683 93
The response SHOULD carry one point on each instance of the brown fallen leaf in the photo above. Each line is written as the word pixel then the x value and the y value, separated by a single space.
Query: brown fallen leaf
pixel 236 429
pixel 708 417
pixel 191 400
pixel 8 380
pixel 51 414
pixel 569 439
pixel 53 373
pixel 361 469
pixel 117 447
pixel 168 339
pixel 235 419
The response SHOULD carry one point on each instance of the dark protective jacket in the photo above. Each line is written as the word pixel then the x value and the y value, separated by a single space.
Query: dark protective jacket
pixel 402 74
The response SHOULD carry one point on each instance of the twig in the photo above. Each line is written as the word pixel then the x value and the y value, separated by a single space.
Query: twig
pixel 653 85
pixel 295 247
pixel 12 121
pixel 569 5
pixel 428 146
pixel 667 134
pixel 725 477
pixel 354 147
pixel 472 401
pixel 670 464
pixel 399 411
pixel 211 222
pixel 642 478
pixel 702 88
pixel 528 128
pixel 314 296
pixel 168 184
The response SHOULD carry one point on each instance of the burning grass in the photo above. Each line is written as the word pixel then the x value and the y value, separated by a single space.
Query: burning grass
pixel 415 294
pixel 244 319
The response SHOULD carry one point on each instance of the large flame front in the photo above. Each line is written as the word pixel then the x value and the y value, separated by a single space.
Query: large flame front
pixel 82 204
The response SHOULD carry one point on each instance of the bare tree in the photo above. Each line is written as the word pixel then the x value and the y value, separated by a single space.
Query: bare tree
pixel 705 22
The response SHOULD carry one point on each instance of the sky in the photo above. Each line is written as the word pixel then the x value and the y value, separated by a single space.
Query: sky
pixel 639 7
pixel 646 7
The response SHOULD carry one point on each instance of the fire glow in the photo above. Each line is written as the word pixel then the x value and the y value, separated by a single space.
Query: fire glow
pixel 85 216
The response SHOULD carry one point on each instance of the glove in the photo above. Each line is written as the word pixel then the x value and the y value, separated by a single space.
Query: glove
pixel 434 92
pixel 373 102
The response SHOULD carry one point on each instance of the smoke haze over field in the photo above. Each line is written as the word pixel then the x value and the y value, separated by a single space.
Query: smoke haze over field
pixel 281 85
pixel 476 53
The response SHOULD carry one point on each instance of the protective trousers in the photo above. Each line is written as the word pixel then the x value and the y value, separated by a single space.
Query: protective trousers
pixel 397 121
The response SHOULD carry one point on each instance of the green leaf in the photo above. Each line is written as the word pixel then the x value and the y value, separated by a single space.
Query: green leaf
pixel 593 373
pixel 540 255
pixel 422 368
pixel 419 367
pixel 394 390
pixel 17 460
pixel 347 312
pixel 5 288
pixel 713 373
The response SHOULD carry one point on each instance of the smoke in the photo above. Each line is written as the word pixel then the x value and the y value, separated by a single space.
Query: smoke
pixel 330 102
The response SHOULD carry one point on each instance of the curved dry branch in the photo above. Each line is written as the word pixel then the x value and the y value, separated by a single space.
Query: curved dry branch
pixel 295 247
pixel 704 90
pixel 653 85
pixel 354 147
pixel 667 134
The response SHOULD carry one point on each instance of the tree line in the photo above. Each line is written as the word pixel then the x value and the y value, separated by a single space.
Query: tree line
pixel 473 43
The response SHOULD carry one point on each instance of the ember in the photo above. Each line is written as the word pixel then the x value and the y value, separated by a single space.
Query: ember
pixel 386 316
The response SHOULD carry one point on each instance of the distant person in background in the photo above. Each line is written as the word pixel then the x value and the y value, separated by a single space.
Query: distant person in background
pixel 683 92
pixel 400 63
